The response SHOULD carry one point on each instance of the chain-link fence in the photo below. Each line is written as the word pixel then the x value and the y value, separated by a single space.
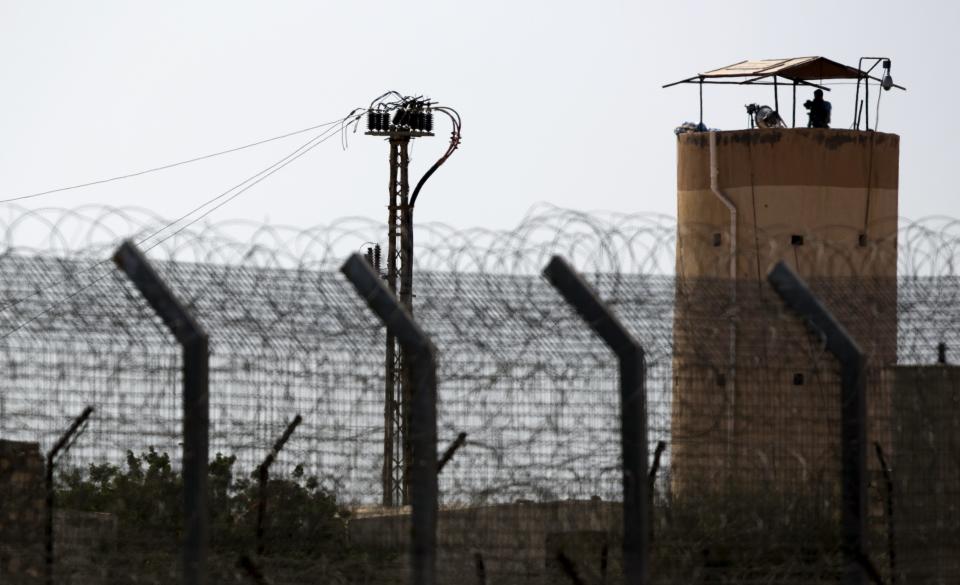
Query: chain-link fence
pixel 744 410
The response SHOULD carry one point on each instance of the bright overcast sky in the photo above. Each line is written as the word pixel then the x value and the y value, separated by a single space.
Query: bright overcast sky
pixel 561 101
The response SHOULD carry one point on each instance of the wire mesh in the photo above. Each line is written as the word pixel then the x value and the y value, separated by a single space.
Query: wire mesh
pixel 745 400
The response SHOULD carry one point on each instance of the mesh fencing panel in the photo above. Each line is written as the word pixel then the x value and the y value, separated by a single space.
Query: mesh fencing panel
pixel 743 403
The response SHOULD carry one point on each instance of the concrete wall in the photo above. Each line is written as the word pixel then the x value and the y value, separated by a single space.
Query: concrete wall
pixel 926 471
pixel 22 507
pixel 82 539
pixel 518 543
pixel 738 413
pixel 84 542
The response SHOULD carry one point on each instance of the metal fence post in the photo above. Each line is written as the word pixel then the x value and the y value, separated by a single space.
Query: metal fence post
pixel 263 477
pixel 63 444
pixel 196 408
pixel 853 411
pixel 633 412
pixel 421 353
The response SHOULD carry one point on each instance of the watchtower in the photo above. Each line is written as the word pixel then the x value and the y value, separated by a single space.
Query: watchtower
pixel 745 402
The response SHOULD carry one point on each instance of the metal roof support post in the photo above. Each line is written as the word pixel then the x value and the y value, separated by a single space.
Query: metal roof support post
pixel 776 95
pixel 633 413
pixel 196 406
pixel 853 411
pixel 856 98
pixel 421 353
pixel 793 123
pixel 866 103
pixel 701 100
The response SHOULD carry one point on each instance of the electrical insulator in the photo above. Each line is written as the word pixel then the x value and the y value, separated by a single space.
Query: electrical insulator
pixel 373 120
pixel 398 118
pixel 421 121
pixel 383 121
pixel 376 258
pixel 428 121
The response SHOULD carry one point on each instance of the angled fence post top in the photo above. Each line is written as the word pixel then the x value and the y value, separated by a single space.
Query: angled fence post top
pixel 280 443
pixel 853 415
pixel 422 418
pixel 379 299
pixel 134 264
pixel 196 406
pixel 64 440
pixel 633 413
pixel 797 296
pixel 580 295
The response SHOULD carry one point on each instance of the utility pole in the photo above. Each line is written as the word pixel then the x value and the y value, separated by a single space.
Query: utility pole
pixel 411 118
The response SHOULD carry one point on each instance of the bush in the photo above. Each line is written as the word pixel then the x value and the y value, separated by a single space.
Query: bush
pixel 144 496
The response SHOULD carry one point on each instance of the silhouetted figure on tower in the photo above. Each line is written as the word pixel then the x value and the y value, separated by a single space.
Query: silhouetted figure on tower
pixel 818 111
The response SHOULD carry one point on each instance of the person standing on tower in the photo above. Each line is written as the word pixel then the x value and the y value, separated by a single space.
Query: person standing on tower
pixel 818 111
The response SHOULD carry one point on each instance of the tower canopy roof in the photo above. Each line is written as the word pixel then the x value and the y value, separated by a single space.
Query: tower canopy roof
pixel 802 70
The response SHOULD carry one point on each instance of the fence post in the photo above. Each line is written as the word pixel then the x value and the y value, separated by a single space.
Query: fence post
pixel 633 412
pixel 263 476
pixel 63 444
pixel 421 355
pixel 196 408
pixel 853 411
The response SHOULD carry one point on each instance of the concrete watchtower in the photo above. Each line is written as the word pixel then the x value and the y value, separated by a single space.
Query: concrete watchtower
pixel 745 403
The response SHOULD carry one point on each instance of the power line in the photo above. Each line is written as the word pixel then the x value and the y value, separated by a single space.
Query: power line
pixel 256 179
pixel 170 165
pixel 253 180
